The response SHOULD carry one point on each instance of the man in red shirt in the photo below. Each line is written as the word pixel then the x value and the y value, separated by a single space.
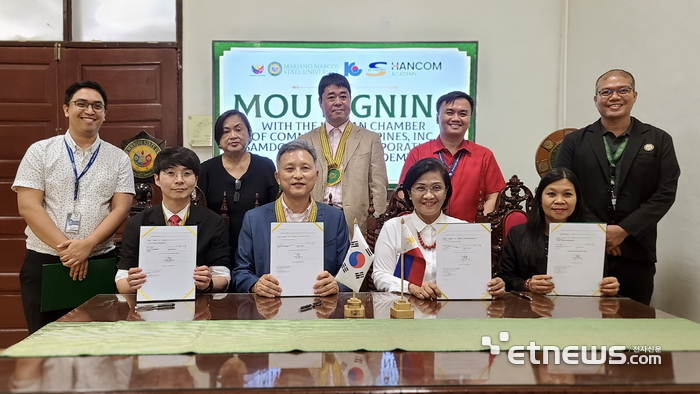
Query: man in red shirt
pixel 472 168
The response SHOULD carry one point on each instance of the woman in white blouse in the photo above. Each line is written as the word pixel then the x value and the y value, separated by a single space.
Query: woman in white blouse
pixel 427 188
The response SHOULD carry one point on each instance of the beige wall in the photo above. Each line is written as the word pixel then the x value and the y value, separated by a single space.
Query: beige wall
pixel 538 61
pixel 519 45
pixel 658 42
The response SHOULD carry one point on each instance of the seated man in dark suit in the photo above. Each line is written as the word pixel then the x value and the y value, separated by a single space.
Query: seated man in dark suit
pixel 175 171
pixel 296 174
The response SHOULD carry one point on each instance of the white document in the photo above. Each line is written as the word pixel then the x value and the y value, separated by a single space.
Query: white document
pixel 148 362
pixel 295 360
pixel 168 256
pixel 296 256
pixel 576 257
pixel 472 366
pixel 569 307
pixel 464 260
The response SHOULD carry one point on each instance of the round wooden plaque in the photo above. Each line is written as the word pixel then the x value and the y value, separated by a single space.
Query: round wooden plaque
pixel 547 151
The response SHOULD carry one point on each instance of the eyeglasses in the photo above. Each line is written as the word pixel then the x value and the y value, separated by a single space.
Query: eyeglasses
pixel 82 105
pixel 623 91
pixel 435 189
pixel 237 195
pixel 171 175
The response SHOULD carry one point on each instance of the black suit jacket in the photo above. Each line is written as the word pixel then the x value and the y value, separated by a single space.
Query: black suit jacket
pixel 511 268
pixel 646 189
pixel 212 236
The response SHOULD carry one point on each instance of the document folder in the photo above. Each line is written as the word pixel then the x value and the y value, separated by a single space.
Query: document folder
pixel 60 291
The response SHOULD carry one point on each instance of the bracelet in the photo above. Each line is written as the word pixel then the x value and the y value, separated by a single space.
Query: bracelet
pixel 527 284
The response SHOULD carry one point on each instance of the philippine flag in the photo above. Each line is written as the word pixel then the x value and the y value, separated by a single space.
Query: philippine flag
pixel 414 262
pixel 358 260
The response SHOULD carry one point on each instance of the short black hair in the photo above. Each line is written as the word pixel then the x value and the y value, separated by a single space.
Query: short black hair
pixel 615 71
pixel 451 97
pixel 176 156
pixel 72 89
pixel 296 145
pixel 536 216
pixel 333 79
pixel 219 125
pixel 423 166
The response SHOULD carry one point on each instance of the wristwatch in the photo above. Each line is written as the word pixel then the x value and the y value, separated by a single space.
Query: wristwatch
pixel 210 286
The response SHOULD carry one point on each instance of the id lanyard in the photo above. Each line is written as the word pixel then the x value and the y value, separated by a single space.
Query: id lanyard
pixel 451 169
pixel 613 158
pixel 75 169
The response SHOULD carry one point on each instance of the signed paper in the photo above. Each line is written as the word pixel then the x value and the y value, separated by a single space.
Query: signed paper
pixel 576 257
pixel 168 256
pixel 463 260
pixel 296 256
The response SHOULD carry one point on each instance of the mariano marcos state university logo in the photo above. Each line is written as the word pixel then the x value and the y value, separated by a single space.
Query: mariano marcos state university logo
pixel 142 153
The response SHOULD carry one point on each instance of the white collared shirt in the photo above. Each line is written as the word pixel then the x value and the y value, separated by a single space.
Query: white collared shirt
pixel 46 166
pixel 334 134
pixel 388 250
pixel 296 217
pixel 182 214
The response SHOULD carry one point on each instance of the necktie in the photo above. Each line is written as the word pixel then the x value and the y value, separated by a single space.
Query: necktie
pixel 174 220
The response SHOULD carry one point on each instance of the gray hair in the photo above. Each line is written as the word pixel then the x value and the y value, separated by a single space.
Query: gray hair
pixel 296 145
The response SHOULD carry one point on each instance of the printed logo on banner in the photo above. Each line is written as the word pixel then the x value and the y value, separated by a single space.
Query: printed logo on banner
pixel 376 69
pixel 258 69
pixel 352 69
pixel 274 69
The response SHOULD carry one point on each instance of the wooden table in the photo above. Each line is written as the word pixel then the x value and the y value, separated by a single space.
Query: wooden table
pixel 358 371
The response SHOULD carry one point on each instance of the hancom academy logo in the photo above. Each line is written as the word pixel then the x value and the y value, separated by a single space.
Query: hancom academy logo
pixel 376 69
pixel 570 355
pixel 257 69
pixel 352 69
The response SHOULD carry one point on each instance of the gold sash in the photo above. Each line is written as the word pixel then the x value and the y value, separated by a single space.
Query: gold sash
pixel 335 174
pixel 281 217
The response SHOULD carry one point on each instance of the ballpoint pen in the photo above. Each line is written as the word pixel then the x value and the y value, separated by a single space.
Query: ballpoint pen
pixel 521 295
pixel 308 307
pixel 153 307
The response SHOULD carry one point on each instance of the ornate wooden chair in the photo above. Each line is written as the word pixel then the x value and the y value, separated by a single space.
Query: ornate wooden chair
pixel 224 204
pixel 198 197
pixel 513 203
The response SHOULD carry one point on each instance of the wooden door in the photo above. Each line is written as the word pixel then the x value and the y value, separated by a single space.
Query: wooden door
pixel 141 84
pixel 142 88
pixel 28 101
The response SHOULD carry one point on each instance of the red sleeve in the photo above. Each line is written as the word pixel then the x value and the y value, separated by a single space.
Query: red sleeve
pixel 493 177
pixel 411 159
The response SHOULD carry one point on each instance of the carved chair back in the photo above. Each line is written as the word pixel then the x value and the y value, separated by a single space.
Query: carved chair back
pixel 513 203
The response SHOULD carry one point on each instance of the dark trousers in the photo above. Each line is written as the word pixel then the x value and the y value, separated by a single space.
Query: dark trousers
pixel 636 278
pixel 30 283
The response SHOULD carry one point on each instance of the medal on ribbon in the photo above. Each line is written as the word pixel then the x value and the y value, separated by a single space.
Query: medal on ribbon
pixel 281 217
pixel 335 174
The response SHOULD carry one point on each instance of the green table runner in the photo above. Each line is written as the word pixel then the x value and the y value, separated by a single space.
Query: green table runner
pixel 253 336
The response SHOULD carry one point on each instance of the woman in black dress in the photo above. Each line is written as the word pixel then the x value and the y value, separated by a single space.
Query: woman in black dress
pixel 241 174
pixel 523 264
